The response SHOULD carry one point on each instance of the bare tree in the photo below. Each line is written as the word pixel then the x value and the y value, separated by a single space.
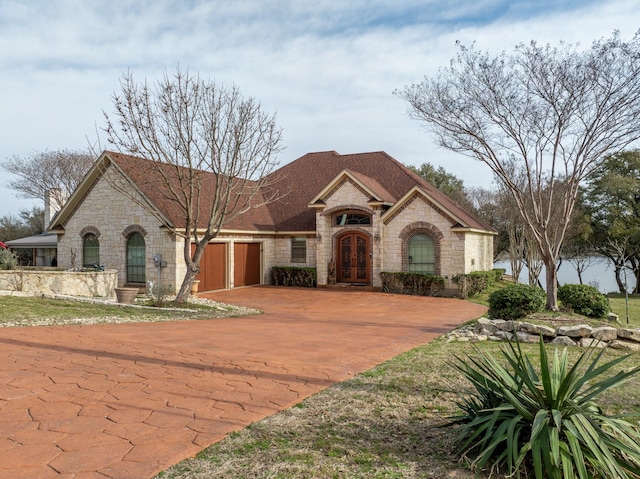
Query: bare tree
pixel 59 172
pixel 186 126
pixel 553 111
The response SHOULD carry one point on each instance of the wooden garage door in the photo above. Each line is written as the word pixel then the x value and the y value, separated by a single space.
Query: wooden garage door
pixel 246 264
pixel 213 267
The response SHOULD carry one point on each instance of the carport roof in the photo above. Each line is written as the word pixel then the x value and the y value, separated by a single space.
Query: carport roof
pixel 43 240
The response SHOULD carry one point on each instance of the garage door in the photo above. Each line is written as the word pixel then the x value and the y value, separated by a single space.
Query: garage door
pixel 246 264
pixel 213 267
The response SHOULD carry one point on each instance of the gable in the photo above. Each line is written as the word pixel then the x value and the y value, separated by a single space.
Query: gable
pixel 367 179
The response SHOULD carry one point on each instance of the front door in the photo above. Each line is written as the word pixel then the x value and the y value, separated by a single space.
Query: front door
pixel 354 264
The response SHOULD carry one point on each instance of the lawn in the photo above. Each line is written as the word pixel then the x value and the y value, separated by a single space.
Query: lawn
pixel 36 311
pixel 385 423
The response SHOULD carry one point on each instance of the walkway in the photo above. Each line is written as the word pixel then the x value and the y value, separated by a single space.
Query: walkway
pixel 129 400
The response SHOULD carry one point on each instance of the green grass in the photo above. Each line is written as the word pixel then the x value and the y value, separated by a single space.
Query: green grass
pixel 33 311
pixel 384 423
pixel 619 306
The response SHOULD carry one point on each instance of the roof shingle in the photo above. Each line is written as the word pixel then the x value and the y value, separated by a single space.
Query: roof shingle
pixel 300 181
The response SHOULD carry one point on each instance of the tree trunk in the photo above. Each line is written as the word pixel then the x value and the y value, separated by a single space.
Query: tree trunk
pixel 193 265
pixel 552 284
pixel 617 270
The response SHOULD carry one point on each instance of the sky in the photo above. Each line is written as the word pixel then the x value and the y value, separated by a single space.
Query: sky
pixel 326 68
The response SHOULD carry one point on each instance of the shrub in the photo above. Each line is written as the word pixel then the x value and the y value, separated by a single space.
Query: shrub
pixel 420 284
pixel 520 417
pixel 475 282
pixel 516 301
pixel 293 276
pixel 584 299
pixel 8 259
pixel 498 273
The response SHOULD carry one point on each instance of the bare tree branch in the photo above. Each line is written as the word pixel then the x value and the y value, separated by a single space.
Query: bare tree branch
pixel 190 129
pixel 58 171
pixel 547 114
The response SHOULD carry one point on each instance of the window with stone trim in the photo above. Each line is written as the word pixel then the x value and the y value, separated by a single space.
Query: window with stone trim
pixel 422 254
pixel 136 259
pixel 90 250
pixel 298 249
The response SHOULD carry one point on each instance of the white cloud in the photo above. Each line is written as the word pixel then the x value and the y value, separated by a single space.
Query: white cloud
pixel 328 68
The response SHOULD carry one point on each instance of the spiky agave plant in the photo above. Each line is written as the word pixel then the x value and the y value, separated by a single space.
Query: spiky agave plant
pixel 520 417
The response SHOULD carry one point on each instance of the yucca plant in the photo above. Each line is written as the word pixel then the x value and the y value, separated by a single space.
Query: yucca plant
pixel 520 418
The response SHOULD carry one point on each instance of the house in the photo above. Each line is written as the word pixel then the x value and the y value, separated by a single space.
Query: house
pixel 44 245
pixel 43 248
pixel 350 216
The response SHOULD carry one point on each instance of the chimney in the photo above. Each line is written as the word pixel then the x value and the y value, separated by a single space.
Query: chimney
pixel 52 200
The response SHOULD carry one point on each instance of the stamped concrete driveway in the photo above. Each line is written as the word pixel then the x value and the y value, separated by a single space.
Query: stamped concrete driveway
pixel 128 400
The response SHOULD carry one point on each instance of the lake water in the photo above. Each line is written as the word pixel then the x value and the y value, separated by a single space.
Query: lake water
pixel 599 273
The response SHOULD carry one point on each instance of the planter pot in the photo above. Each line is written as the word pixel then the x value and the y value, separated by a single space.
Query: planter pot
pixel 195 286
pixel 126 295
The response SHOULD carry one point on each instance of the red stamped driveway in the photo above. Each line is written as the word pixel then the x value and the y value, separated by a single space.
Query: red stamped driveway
pixel 129 400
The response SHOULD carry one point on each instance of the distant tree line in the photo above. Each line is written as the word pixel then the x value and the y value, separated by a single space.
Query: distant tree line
pixel 605 221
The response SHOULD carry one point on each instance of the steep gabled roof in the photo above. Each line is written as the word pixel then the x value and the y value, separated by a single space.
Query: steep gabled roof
pixel 305 177
pixel 153 182
pixel 301 181
pixel 369 186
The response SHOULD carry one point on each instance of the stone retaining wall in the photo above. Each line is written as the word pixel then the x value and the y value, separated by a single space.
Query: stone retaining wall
pixel 575 335
pixel 90 284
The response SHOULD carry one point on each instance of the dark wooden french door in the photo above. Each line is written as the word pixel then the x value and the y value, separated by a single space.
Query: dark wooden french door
pixel 354 262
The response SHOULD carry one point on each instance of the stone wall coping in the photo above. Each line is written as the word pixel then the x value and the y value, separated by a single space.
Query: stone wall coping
pixel 583 335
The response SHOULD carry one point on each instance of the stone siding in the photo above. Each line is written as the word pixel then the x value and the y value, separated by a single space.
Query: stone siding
pixel 346 198
pixel 92 284
pixel 452 244
pixel 110 212
pixel 478 252
pixel 282 252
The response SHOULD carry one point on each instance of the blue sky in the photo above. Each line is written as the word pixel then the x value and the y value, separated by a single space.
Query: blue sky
pixel 327 68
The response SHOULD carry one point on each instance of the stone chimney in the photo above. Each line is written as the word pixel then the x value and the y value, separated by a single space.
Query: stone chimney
pixel 53 201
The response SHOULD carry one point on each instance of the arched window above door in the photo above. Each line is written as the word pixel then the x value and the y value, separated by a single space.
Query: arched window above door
pixel 355 218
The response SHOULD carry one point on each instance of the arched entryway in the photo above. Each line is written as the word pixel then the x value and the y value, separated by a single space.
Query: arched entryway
pixel 353 258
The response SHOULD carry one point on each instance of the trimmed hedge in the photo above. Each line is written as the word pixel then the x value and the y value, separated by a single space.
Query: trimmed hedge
pixel 516 301
pixel 477 281
pixel 294 276
pixel 419 284
pixel 584 299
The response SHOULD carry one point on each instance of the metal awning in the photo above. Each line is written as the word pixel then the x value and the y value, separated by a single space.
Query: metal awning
pixel 44 240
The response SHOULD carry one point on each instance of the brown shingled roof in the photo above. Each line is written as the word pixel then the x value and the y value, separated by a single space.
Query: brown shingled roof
pixel 300 181
pixel 305 177
pixel 147 177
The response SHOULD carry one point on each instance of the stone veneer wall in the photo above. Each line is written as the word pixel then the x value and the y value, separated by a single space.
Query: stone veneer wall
pixel 282 251
pixel 452 244
pixel 110 212
pixel 478 252
pixel 90 284
pixel 573 335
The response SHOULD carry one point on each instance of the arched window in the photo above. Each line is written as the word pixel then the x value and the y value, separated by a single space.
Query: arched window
pixel 90 250
pixel 136 254
pixel 422 254
pixel 352 219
